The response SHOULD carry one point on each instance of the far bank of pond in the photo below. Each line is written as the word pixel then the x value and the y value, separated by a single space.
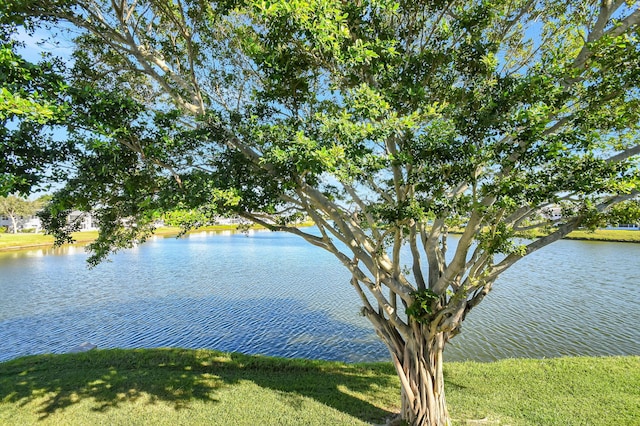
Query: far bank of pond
pixel 22 241
pixel 272 293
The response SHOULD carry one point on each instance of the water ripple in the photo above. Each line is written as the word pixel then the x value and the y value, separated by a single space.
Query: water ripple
pixel 278 327
pixel 272 294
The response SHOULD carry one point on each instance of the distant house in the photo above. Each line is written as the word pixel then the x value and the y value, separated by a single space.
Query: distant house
pixel 626 226
pixel 552 213
pixel 235 220
pixel 22 223
pixel 85 221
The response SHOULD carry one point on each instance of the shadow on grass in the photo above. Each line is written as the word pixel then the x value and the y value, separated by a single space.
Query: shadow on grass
pixel 176 376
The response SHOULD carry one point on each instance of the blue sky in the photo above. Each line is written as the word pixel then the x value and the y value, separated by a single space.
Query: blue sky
pixel 34 46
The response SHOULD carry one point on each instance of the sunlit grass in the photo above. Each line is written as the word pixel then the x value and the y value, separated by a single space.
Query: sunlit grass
pixel 613 235
pixel 197 387
pixel 10 241
pixel 622 235
pixel 18 241
pixel 563 391
pixel 172 386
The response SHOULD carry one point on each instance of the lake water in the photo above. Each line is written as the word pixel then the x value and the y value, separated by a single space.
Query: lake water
pixel 273 294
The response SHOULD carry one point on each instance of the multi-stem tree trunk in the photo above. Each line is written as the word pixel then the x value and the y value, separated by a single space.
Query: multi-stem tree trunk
pixel 419 367
pixel 14 224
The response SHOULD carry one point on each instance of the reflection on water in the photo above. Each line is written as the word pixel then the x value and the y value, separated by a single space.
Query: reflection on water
pixel 273 294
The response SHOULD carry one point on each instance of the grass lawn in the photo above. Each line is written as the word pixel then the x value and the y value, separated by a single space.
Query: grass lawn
pixel 26 240
pixel 622 235
pixel 19 241
pixel 194 387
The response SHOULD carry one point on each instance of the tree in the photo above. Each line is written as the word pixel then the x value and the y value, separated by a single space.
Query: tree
pixel 388 123
pixel 15 208
pixel 31 105
pixel 626 213
pixel 185 218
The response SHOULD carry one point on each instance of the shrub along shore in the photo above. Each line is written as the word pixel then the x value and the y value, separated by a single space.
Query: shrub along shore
pixel 24 241
pixel 178 386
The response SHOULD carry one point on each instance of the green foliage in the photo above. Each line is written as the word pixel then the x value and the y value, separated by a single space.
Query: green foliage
pixel 17 206
pixel 421 308
pixel 500 240
pixel 325 89
pixel 624 213
pixel 31 101
pixel 385 122
pixel 182 217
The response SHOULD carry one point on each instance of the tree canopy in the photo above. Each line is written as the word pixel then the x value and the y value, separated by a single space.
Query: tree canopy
pixel 31 105
pixel 15 208
pixel 389 123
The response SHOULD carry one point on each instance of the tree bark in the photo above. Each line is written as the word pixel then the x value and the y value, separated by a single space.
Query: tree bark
pixel 15 225
pixel 422 380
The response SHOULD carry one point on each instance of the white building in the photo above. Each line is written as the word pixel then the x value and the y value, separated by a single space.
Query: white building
pixel 553 213
pixel 22 223
pixel 85 220
pixel 626 226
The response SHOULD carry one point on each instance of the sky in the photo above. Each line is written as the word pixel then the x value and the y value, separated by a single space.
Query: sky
pixel 32 51
pixel 34 46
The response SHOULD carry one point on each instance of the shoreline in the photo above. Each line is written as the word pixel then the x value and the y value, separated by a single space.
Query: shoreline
pixel 601 240
pixel 86 237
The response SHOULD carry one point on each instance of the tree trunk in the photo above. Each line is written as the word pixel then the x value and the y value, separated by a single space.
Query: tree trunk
pixel 15 225
pixel 422 381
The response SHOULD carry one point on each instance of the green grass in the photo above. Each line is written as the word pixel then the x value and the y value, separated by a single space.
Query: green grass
pixel 621 235
pixel 561 391
pixel 613 235
pixel 26 240
pixel 172 386
pixel 19 241
pixel 194 387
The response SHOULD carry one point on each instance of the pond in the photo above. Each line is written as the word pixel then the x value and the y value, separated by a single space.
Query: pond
pixel 273 294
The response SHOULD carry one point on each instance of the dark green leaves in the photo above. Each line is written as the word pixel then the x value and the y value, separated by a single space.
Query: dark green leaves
pixel 32 100
pixel 422 307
